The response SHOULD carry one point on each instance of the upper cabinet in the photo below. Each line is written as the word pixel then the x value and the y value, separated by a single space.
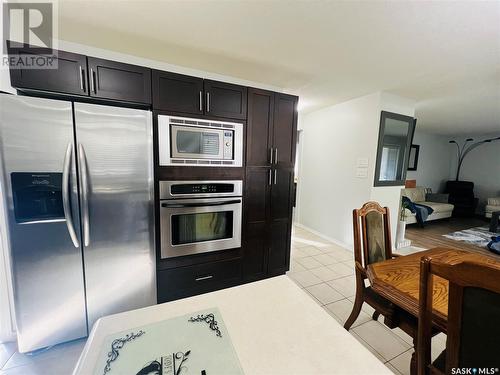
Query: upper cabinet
pixel 177 92
pixel 284 129
pixel 119 81
pixel 191 95
pixel 272 125
pixel 69 78
pixel 225 100
pixel 86 76
pixel 260 127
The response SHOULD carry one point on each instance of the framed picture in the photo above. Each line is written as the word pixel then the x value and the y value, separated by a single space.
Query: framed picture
pixel 413 158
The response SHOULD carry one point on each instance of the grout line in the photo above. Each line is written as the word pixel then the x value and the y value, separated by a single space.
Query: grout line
pixel 399 355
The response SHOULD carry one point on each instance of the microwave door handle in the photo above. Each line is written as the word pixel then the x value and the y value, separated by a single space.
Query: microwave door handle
pixel 65 194
pixel 201 204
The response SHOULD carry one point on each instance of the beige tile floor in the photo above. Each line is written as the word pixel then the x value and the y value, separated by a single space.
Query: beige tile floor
pixel 326 272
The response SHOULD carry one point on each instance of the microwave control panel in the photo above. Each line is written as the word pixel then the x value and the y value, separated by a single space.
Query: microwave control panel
pixel 228 144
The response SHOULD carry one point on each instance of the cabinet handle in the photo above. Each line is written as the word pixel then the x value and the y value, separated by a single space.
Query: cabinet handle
pixel 201 101
pixel 270 177
pixel 203 278
pixel 81 78
pixel 275 177
pixel 208 101
pixel 276 155
pixel 92 85
pixel 271 156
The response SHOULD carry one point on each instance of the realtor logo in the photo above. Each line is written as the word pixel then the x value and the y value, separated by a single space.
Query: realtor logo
pixel 28 33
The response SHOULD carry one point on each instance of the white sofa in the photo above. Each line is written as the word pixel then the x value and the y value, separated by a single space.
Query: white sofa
pixel 438 202
pixel 492 206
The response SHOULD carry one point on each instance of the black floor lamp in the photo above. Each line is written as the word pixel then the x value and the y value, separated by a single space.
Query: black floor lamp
pixel 463 151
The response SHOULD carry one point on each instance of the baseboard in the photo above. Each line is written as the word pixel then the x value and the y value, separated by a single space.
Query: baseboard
pixel 325 237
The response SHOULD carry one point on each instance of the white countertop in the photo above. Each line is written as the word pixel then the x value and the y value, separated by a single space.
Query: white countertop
pixel 275 327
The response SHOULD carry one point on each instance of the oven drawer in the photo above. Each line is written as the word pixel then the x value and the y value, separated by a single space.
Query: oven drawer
pixel 199 278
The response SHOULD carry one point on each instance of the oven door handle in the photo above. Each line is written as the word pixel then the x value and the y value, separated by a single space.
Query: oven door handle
pixel 202 204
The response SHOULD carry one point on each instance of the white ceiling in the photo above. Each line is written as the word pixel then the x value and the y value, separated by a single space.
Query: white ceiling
pixel 446 55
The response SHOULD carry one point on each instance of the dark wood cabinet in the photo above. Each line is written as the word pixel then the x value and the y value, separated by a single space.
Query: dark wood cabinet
pixel 281 194
pixel 284 129
pixel 69 77
pixel 225 100
pixel 256 215
pixel 192 95
pixel 280 221
pixel 259 133
pixel 279 253
pixel 269 185
pixel 119 81
pixel 272 129
pixel 199 278
pixel 177 92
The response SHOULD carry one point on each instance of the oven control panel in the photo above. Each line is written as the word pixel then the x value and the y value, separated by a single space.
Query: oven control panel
pixel 178 189
pixel 201 188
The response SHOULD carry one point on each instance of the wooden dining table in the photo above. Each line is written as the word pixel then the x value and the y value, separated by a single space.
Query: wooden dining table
pixel 398 280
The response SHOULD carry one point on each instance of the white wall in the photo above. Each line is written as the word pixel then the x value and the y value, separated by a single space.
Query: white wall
pixel 434 160
pixel 481 166
pixel 333 141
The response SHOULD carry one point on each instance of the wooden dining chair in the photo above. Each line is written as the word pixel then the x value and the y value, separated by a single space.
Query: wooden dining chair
pixel 473 328
pixel 372 243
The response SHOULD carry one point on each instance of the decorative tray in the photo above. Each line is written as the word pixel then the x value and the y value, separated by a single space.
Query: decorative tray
pixel 196 343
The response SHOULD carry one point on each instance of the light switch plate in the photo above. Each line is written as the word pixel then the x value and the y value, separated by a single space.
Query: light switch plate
pixel 362 162
pixel 361 172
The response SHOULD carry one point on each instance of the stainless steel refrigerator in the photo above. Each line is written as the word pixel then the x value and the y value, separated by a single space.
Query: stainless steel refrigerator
pixel 77 188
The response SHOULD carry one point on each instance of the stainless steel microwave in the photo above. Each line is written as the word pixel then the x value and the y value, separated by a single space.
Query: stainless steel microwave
pixel 197 142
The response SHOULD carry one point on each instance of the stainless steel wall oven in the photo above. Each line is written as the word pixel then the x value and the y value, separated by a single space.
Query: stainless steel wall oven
pixel 199 216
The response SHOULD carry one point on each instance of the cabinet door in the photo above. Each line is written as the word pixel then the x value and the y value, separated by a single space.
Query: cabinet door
pixel 70 77
pixel 280 221
pixel 256 251
pixel 282 194
pixel 225 100
pixel 177 92
pixel 255 229
pixel 118 81
pixel 259 127
pixel 279 254
pixel 285 129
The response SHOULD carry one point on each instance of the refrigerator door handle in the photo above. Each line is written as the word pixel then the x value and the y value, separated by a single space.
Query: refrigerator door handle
pixel 85 194
pixel 65 194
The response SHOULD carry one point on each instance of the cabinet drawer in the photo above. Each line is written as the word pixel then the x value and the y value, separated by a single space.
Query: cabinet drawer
pixel 196 279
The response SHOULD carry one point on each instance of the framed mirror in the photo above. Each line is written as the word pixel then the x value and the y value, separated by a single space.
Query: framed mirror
pixel 394 141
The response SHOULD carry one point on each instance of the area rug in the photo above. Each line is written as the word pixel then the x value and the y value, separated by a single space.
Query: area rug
pixel 478 236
